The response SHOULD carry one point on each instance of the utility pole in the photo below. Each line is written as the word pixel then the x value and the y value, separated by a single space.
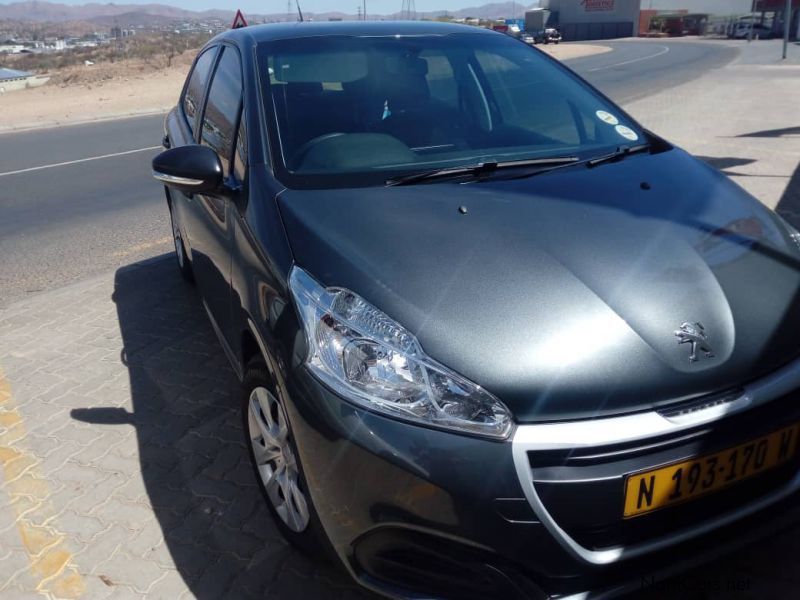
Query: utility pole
pixel 787 20
pixel 408 11
pixel 358 8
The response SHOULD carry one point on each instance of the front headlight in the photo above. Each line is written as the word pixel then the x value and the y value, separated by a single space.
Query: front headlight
pixel 369 359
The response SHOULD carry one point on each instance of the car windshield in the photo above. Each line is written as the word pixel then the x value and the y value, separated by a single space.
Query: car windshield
pixel 351 111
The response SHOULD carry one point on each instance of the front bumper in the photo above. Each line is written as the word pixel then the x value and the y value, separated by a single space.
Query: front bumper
pixel 416 512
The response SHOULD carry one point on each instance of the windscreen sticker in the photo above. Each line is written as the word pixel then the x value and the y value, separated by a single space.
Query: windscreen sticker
pixel 607 117
pixel 626 132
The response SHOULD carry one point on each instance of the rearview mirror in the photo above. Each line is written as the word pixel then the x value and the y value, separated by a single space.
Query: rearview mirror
pixel 191 169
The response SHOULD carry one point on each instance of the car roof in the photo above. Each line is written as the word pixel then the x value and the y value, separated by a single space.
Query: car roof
pixel 282 31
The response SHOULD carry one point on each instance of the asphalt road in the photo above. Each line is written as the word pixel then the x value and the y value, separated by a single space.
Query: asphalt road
pixel 639 68
pixel 62 220
pixel 79 200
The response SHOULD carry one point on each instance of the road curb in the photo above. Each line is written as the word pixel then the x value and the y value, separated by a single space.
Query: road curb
pixel 57 124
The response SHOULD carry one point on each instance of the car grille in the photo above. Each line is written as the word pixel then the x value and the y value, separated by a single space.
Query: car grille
pixel 583 490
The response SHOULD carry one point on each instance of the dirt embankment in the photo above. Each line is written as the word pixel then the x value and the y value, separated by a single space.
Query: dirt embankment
pixel 128 87
pixel 99 91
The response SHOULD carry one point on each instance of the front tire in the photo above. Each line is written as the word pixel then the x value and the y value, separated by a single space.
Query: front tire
pixel 184 265
pixel 273 454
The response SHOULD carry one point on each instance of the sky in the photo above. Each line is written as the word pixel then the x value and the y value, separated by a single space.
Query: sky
pixel 279 6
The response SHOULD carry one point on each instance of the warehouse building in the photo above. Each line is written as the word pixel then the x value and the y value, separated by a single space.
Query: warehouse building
pixel 773 13
pixel 593 19
pixel 723 16
pixel 605 19
pixel 709 7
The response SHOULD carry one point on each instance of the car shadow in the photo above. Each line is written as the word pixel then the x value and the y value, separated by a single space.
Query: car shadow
pixel 772 133
pixel 216 527
pixel 725 163
pixel 789 204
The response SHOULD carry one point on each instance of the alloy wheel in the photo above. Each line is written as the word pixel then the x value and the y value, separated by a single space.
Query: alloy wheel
pixel 275 459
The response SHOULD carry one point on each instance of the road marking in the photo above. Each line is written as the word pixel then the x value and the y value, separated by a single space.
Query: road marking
pixel 50 560
pixel 79 160
pixel 664 50
pixel 142 247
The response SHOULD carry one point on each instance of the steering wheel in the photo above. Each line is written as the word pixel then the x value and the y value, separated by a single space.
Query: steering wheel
pixel 300 153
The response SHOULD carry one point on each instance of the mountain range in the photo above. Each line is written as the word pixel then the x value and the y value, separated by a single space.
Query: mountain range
pixel 140 14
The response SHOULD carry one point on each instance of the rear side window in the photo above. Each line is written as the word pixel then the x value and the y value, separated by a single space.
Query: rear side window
pixel 222 107
pixel 197 83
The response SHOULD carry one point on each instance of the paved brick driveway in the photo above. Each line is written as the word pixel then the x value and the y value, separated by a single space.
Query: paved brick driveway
pixel 122 471
pixel 123 474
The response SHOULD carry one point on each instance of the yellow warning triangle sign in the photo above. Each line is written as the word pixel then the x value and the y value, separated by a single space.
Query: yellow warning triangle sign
pixel 238 20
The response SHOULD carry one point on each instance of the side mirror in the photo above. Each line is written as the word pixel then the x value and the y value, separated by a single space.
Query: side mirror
pixel 192 169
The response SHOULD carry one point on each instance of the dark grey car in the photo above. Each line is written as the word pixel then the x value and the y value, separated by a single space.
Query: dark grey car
pixel 493 343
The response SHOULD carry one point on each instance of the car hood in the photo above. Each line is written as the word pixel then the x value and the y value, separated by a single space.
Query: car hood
pixel 562 293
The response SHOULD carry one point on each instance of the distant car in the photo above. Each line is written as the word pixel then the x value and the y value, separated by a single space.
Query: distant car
pixel 548 35
pixel 742 31
pixel 527 38
pixel 493 343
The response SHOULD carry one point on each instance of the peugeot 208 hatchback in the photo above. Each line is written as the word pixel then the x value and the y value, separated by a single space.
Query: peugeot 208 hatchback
pixel 493 343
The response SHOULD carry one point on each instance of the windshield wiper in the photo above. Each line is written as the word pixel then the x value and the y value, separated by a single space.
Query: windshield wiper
pixel 618 154
pixel 480 169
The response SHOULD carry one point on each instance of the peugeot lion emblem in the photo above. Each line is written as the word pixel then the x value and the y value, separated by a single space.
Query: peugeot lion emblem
pixel 694 334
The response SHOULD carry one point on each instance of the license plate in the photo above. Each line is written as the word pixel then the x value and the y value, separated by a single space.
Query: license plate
pixel 686 480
